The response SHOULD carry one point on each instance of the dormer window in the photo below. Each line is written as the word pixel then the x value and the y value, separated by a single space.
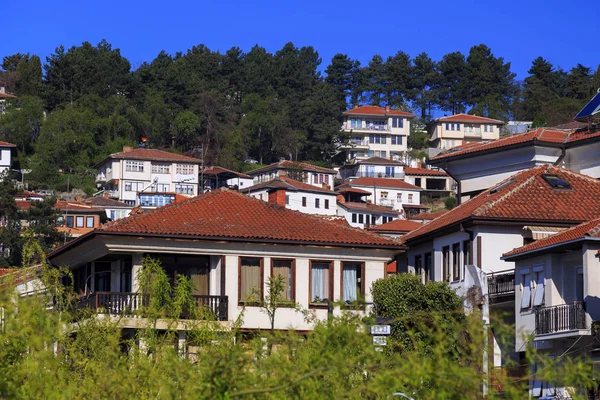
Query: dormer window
pixel 556 182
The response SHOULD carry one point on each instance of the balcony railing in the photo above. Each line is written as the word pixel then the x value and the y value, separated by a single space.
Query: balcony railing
pixel 128 304
pixel 561 318
pixel 385 202
pixel 365 127
pixel 501 284
pixel 475 132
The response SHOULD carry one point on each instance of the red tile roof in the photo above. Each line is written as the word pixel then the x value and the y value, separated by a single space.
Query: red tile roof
pixel 152 155
pixel 283 182
pixel 526 196
pixel 589 229
pixel 423 172
pixel 429 216
pixel 369 207
pixel 229 215
pixel 397 225
pixel 353 190
pixel 381 182
pixel 220 170
pixel 380 161
pixel 548 136
pixel 69 206
pixel 468 118
pixel 375 110
pixel 7 96
pixel 294 165
pixel 6 144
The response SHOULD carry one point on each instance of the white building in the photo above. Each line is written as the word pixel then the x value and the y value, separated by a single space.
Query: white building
pixel 557 292
pixel 360 213
pixel 127 175
pixel 6 156
pixel 388 192
pixel 299 171
pixel 479 166
pixel 230 244
pixel 375 132
pixel 455 130
pixel 4 96
pixel 530 205
pixel 294 195
pixel 374 167
pixel 216 177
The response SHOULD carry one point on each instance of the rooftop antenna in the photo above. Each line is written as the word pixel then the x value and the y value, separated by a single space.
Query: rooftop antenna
pixel 589 110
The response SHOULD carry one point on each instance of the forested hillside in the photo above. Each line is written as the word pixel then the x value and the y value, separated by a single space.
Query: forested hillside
pixel 85 102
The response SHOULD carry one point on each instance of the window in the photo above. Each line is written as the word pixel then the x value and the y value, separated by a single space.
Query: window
pixel 354 218
pixel 384 195
pixel 134 186
pixel 361 219
pixel 394 122
pixel 458 127
pixel 315 179
pixel 89 222
pixel 526 299
pixel 383 141
pixel 399 197
pixel 485 128
pixel 447 126
pixel 134 166
pixel 456 261
pixel 317 203
pixel 79 222
pixel 556 182
pixel 285 269
pixel 70 221
pixel 184 169
pixel 491 128
pixel 383 152
pixel 303 201
pixel 418 265
pixel 410 197
pixel 185 189
pixel 161 168
pixel 321 288
pixel 579 284
pixel 352 281
pixel 327 204
pixel 373 219
pixel 287 199
pixel 427 267
pixel 467 252
pixel 250 279
pixel 446 263
pixel 533 287
pixel 394 139
pixel 538 293
pixel 371 139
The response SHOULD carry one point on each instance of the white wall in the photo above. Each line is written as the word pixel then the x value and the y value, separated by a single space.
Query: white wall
pixel 395 198
pixel 347 213
pixel 5 159
pixel 295 201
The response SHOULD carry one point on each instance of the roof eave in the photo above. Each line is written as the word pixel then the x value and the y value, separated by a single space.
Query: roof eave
pixel 440 161
pixel 545 249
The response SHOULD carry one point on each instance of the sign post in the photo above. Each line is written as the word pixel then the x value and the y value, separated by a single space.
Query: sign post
pixel 380 334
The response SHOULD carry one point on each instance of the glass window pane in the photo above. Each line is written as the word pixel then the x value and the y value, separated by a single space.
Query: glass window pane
pixel 283 268
pixel 250 283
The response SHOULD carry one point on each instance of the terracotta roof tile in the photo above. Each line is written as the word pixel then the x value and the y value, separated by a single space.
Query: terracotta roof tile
pixel 7 96
pixel 380 161
pixel 429 216
pixel 424 172
pixel 468 118
pixel 229 215
pixel 586 229
pixel 6 144
pixel 215 170
pixel 526 196
pixel 397 225
pixel 283 182
pixel 367 207
pixel 353 190
pixel 381 182
pixel 104 202
pixel 153 155
pixel 375 110
pixel 286 164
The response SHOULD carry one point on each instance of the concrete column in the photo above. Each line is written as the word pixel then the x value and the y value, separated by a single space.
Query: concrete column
pixel 136 267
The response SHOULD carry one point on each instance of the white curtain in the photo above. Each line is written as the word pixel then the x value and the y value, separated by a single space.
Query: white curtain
pixel 320 281
pixel 250 280
pixel 350 277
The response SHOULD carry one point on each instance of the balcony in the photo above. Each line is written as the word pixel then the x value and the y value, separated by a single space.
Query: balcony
pixel 113 194
pixel 365 127
pixel 105 176
pixel 473 132
pixel 501 284
pixel 129 304
pixel 555 319
pixel 355 144
pixel 385 202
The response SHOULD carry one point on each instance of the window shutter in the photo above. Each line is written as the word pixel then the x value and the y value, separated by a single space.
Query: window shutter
pixel 538 298
pixel 526 299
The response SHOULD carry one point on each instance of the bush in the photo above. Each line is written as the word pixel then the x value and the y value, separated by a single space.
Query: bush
pixel 450 203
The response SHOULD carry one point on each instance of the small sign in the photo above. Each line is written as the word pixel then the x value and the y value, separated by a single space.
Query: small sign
pixel 381 329
pixel 380 340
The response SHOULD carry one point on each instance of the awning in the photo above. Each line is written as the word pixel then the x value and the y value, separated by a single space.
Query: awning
pixel 541 232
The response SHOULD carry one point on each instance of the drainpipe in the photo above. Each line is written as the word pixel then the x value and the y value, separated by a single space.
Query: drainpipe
pixel 563 151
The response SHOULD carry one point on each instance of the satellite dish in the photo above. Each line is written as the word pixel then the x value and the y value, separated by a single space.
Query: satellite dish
pixel 156 179
pixel 591 108
pixel 25 171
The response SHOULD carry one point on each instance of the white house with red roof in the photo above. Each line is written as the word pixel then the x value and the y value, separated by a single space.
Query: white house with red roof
pixel 454 130
pixel 229 245
pixel 6 150
pixel 299 171
pixel 134 173
pixel 464 246
pixel 396 228
pixel 373 167
pixel 386 192
pixel 289 193
pixel 4 96
pixel 557 298
pixel 375 132
pixel 479 166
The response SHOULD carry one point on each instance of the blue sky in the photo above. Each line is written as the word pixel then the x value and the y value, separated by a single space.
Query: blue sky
pixel 562 32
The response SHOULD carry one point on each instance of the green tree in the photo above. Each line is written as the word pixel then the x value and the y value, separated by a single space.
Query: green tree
pixel 29 77
pixel 398 71
pixel 424 80
pixel 21 126
pixel 340 75
pixel 579 82
pixel 43 219
pixel 376 81
pixel 10 241
pixel 453 85
pixel 544 84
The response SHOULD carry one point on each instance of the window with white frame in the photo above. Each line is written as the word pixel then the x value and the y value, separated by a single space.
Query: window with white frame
pixel 184 169
pixel 131 186
pixel 410 197
pixel 134 166
pixel 162 187
pixel 185 189
pixel 161 168
pixel 533 287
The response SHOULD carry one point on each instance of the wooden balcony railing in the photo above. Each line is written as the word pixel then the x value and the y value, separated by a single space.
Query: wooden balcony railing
pixel 128 304
pixel 561 318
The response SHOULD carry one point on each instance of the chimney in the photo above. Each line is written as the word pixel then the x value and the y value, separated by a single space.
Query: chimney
pixel 127 149
pixel 356 106
pixel 387 108
pixel 277 197
pixel 420 164
pixel 78 198
pixel 340 198
pixel 105 195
